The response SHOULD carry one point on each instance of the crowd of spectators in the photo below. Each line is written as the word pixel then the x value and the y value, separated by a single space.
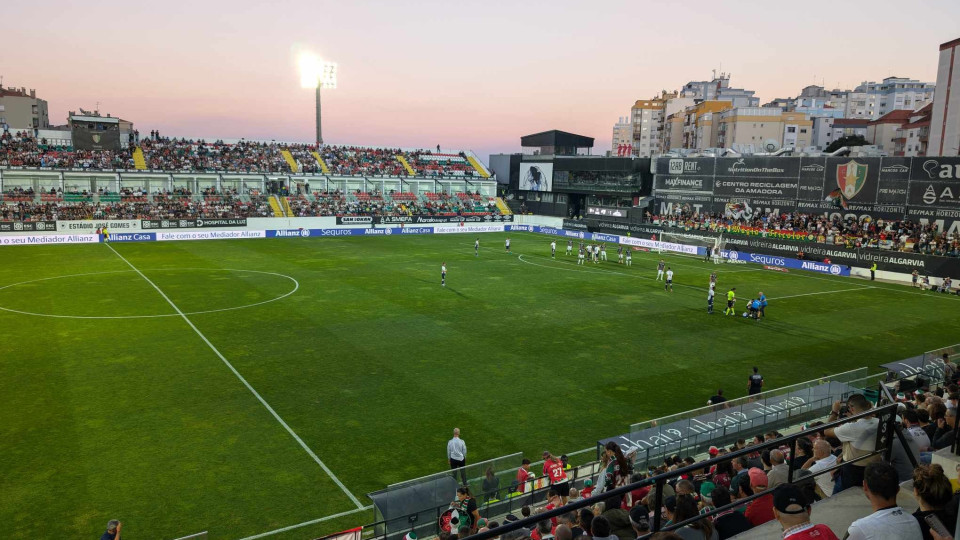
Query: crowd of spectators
pixel 928 421
pixel 897 235
pixel 23 149
pixel 136 203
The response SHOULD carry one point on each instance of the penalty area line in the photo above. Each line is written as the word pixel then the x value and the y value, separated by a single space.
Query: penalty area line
pixel 242 380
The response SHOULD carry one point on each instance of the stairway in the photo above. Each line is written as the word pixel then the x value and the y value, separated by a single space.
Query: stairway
pixel 478 166
pixel 286 207
pixel 139 161
pixel 502 206
pixel 406 165
pixel 288 157
pixel 323 164
pixel 275 206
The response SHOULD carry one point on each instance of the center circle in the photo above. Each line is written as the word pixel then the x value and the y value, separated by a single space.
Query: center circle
pixel 91 282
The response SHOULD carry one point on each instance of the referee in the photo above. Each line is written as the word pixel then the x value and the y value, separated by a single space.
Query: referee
pixel 457 455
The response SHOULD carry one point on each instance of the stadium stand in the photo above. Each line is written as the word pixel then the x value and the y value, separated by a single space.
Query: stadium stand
pixel 730 492
pixel 896 235
pixel 21 149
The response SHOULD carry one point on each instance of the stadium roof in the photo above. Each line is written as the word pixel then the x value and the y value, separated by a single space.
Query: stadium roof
pixel 556 138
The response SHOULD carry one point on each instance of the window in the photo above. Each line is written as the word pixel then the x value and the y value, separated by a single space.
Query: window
pixel 803 130
pixel 791 129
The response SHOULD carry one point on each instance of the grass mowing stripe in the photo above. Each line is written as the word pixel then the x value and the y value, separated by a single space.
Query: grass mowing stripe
pixel 244 381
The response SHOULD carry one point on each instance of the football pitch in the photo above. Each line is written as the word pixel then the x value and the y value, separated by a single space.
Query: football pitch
pixel 244 386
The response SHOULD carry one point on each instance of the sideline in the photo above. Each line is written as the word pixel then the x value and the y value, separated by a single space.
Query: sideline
pixel 244 381
pixel 307 523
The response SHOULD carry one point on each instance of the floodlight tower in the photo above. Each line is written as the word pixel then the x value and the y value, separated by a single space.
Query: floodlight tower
pixel 317 74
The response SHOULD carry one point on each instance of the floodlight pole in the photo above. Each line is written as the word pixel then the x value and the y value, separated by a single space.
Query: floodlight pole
pixel 319 131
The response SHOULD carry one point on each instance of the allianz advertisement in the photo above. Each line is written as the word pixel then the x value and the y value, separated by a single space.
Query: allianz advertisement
pixel 786 262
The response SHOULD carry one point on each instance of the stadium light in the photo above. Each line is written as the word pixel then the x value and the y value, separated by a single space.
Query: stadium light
pixel 316 73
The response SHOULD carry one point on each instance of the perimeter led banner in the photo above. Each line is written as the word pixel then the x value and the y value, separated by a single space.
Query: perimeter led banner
pixel 191 223
pixel 536 176
pixel 27 226
pixel 923 189
pixel 47 239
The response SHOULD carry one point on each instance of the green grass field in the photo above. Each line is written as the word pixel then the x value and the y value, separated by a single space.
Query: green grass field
pixel 356 347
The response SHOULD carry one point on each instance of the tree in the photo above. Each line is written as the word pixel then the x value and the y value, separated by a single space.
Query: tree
pixel 849 140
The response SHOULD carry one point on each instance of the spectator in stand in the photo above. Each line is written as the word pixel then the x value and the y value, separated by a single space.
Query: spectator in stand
pixel 601 529
pixel 701 529
pixel 569 520
pixel 542 532
pixel 888 520
pixel 859 438
pixel 944 435
pixel 932 489
pixel 468 503
pixel 491 485
pixel 822 459
pixel 804 451
pixel 574 495
pixel 563 533
pixel 617 470
pixel 792 510
pixel 617 518
pixel 640 521
pixel 113 530
pixel 759 510
pixel 728 522
pixel 778 469
pixel 911 425
pixel 923 417
pixel 742 468
pixel 584 522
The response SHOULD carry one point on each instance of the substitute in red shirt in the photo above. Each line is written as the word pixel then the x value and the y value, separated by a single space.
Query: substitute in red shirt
pixel 524 475
pixel 553 469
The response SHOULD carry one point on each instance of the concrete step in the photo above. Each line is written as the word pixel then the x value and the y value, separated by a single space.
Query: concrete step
pixel 836 512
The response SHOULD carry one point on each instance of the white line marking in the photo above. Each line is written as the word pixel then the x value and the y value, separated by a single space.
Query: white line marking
pixel 244 381
pixel 296 286
pixel 821 292
pixel 307 523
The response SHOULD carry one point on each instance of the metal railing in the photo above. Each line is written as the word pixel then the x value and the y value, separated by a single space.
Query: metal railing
pixel 811 404
pixel 886 432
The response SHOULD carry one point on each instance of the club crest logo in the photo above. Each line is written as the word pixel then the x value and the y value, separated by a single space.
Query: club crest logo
pixel 851 177
pixel 96 139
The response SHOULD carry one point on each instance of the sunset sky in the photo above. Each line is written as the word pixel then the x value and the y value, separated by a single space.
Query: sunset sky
pixel 472 75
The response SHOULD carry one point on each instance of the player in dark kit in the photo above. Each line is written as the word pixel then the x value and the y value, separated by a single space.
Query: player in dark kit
pixel 755 383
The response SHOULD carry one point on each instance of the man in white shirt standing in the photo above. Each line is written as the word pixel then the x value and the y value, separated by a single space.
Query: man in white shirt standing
pixel 859 438
pixel 880 485
pixel 822 459
pixel 457 455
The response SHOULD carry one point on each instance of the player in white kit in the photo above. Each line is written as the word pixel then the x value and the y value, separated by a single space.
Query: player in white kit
pixel 553 249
